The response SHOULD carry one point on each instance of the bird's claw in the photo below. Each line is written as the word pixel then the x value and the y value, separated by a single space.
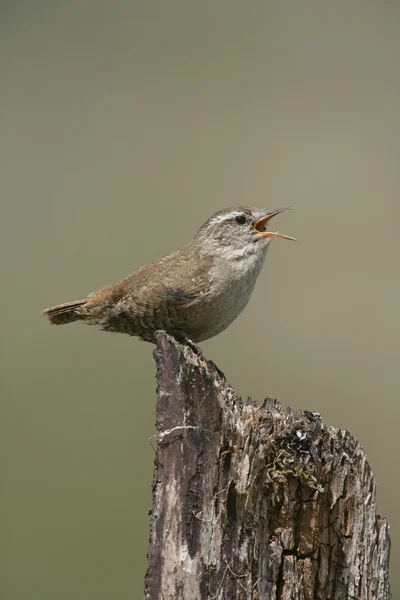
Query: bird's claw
pixel 183 338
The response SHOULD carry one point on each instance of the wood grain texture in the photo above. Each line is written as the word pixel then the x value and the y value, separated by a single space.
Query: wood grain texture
pixel 256 503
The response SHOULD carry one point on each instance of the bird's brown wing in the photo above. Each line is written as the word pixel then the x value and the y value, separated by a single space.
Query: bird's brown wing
pixel 187 279
pixel 181 278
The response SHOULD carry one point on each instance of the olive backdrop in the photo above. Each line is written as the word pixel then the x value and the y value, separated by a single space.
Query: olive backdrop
pixel 124 126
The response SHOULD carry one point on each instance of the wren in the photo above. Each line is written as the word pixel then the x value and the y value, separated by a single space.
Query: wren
pixel 195 292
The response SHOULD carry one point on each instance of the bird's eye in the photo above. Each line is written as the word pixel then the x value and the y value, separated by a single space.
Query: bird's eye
pixel 241 219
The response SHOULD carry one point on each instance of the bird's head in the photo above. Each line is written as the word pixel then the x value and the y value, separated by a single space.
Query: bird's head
pixel 239 231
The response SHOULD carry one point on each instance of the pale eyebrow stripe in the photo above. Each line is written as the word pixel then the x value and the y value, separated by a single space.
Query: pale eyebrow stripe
pixel 227 217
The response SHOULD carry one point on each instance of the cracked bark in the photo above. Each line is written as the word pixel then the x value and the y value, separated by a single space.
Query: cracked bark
pixel 256 502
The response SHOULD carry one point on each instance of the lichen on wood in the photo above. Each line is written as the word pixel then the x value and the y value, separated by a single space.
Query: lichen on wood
pixel 256 502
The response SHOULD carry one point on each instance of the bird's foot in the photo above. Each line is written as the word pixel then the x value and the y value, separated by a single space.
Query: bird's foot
pixel 183 338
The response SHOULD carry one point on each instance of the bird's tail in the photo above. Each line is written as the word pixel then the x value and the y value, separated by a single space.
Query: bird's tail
pixel 65 313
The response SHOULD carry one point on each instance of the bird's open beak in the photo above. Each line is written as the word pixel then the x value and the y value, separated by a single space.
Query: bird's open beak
pixel 260 225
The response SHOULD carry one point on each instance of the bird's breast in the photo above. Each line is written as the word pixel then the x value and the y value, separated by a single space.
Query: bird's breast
pixel 231 289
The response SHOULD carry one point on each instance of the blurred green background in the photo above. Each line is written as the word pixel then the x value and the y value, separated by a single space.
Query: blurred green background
pixel 124 126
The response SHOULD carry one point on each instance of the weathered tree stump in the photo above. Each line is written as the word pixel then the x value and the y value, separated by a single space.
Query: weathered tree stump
pixel 256 503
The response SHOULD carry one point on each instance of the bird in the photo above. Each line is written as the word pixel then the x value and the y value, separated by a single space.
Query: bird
pixel 194 293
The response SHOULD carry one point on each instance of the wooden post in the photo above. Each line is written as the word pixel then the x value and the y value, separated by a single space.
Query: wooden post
pixel 256 502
